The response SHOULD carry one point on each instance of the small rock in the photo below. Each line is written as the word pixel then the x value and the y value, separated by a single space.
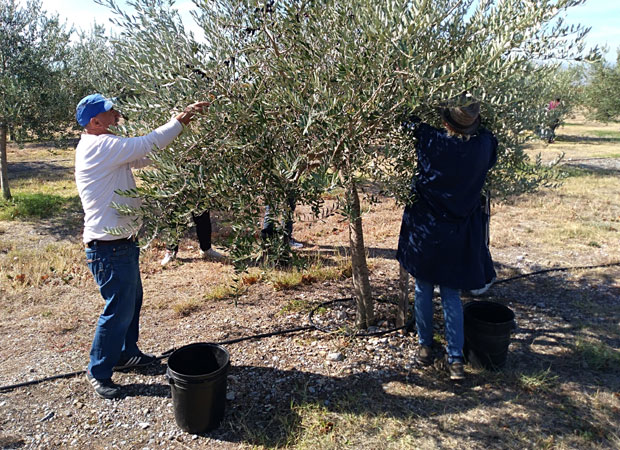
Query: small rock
pixel 144 425
pixel 48 416
pixel 230 396
pixel 335 356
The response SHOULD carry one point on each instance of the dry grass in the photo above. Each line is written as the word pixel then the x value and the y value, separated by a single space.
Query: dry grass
pixel 560 389
pixel 316 272
pixel 49 264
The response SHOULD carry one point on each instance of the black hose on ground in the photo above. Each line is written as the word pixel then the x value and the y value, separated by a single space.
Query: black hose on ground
pixel 312 326
pixel 556 269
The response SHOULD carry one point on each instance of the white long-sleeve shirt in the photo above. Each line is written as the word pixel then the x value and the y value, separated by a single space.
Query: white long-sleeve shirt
pixel 103 165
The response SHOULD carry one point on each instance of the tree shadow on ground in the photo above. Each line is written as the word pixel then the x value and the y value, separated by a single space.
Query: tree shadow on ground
pixel 66 220
pixel 587 139
pixel 601 167
pixel 272 407
pixel 341 250
pixel 52 170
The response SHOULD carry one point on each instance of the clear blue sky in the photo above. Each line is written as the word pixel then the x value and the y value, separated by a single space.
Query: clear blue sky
pixel 602 15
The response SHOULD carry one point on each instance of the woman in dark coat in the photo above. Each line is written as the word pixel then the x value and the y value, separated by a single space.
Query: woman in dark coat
pixel 442 233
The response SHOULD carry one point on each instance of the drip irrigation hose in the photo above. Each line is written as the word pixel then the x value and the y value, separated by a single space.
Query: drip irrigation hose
pixel 557 269
pixel 312 326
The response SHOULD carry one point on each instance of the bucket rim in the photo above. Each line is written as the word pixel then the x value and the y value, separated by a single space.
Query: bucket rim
pixel 469 307
pixel 177 376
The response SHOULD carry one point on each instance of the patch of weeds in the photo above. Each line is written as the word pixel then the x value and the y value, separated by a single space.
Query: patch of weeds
pixel 438 339
pixel 317 272
pixel 612 135
pixel 282 280
pixel 598 355
pixel 34 206
pixel 222 291
pixel 320 310
pixel 547 442
pixel 542 380
pixel 316 422
pixel 586 303
pixel 186 307
pixel 296 305
pixel 573 171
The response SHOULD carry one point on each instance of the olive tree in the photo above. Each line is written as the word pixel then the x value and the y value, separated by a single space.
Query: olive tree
pixel 602 92
pixel 311 94
pixel 33 53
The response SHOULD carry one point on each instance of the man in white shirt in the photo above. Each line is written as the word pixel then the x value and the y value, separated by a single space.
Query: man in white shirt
pixel 103 163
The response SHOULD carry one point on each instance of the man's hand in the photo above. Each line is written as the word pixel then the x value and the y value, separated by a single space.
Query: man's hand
pixel 189 112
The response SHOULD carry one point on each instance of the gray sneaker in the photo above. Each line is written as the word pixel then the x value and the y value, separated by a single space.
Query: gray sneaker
pixel 212 254
pixel 104 388
pixel 295 244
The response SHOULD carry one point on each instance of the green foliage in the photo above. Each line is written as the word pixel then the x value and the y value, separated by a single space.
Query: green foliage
pixel 91 67
pixel 602 96
pixel 598 355
pixel 310 95
pixel 33 54
pixel 34 206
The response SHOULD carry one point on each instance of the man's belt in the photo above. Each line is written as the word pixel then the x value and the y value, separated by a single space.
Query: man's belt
pixel 97 242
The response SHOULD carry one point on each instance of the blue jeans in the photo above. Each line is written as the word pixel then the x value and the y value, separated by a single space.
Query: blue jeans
pixel 117 272
pixel 268 225
pixel 452 313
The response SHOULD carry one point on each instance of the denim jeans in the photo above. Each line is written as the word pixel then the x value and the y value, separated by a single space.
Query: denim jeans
pixel 268 225
pixel 116 270
pixel 452 313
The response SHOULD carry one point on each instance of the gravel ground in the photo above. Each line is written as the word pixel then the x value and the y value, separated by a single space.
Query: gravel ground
pixel 47 330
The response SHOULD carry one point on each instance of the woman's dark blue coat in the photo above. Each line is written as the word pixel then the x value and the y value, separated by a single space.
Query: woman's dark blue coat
pixel 442 233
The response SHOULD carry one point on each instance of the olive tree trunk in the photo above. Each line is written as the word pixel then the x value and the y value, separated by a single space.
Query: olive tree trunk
pixel 361 283
pixel 4 171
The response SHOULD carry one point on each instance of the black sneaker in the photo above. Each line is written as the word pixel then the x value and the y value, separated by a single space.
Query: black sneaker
pixel 456 368
pixel 139 360
pixel 425 355
pixel 104 388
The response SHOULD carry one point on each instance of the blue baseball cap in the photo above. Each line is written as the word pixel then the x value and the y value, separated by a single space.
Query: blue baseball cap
pixel 90 106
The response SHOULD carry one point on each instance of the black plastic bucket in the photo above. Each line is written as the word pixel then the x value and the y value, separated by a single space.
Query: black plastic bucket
pixel 487 333
pixel 197 376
